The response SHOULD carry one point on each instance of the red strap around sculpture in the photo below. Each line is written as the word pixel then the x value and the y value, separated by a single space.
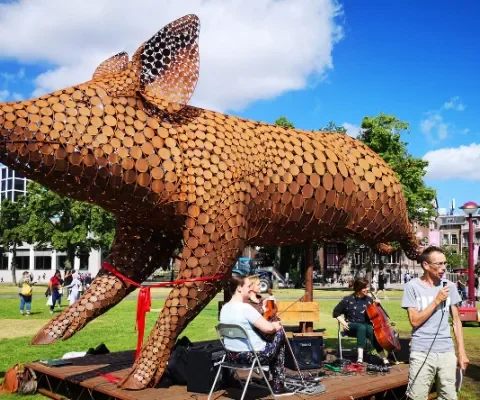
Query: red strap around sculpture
pixel 144 301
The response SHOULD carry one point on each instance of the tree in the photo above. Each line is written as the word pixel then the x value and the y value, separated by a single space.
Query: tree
pixel 333 127
pixel 13 217
pixel 383 135
pixel 67 225
pixel 283 121
pixel 454 259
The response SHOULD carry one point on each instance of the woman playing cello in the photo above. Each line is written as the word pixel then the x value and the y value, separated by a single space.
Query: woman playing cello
pixel 351 314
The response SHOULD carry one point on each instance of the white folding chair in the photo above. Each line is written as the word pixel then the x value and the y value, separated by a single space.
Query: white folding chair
pixel 237 332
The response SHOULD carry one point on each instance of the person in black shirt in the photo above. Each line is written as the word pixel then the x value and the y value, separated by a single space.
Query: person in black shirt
pixel 351 314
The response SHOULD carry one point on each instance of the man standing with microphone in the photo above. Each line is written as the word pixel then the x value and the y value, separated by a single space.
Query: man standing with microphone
pixel 432 354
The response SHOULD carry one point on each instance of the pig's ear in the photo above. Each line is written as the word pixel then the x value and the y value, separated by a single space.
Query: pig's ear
pixel 169 64
pixel 115 63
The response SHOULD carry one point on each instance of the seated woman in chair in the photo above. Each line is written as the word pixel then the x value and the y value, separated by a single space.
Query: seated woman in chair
pixel 238 312
pixel 351 314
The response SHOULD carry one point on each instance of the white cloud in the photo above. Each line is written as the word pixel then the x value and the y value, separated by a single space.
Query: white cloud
pixel 17 96
pixel 7 76
pixel 4 95
pixel 454 163
pixel 249 50
pixel 352 130
pixel 434 126
pixel 454 104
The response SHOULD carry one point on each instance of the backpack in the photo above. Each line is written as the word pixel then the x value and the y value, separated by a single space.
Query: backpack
pixel 12 380
pixel 177 365
pixel 26 289
pixel 28 383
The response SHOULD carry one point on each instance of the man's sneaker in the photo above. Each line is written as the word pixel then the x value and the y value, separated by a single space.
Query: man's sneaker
pixel 51 311
pixel 280 390
pixel 28 313
pixel 21 312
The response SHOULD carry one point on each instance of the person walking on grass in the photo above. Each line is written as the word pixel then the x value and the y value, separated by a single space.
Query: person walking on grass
pixel 55 286
pixel 381 283
pixel 25 293
pixel 74 289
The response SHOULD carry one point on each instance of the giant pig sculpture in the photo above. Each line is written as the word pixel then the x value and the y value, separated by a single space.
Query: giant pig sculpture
pixel 178 176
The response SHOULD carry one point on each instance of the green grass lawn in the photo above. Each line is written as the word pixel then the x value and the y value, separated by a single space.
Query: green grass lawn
pixel 116 330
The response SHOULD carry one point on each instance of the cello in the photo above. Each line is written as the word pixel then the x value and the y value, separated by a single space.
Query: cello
pixel 382 328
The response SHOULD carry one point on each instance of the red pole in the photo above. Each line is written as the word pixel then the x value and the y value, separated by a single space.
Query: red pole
pixel 471 276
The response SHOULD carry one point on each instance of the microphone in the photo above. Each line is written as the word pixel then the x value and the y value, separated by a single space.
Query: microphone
pixel 444 283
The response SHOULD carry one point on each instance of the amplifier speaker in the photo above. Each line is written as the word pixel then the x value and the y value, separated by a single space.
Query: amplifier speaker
pixel 308 352
pixel 200 368
pixel 404 354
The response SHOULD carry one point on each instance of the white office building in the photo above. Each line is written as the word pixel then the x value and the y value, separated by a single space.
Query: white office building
pixel 42 263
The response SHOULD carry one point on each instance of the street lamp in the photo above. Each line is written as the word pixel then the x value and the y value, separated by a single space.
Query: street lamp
pixel 469 209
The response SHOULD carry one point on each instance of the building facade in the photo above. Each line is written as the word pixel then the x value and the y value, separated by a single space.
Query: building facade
pixel 41 263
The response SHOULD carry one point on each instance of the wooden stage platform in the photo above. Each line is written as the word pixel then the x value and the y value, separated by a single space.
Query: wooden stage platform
pixel 81 380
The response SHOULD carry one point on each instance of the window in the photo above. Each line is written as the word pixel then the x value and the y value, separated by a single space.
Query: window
pixel 19 184
pixel 61 262
pixel 454 238
pixel 446 239
pixel 10 184
pixel 84 262
pixel 358 258
pixel 4 262
pixel 332 256
pixel 10 173
pixel 43 262
pixel 450 220
pixel 23 262
pixel 4 185
pixel 17 194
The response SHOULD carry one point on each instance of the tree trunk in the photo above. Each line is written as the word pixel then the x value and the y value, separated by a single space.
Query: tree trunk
pixel 278 257
pixel 71 257
pixel 14 264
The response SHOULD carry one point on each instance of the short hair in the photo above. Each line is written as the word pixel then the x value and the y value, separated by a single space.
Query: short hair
pixel 235 281
pixel 253 279
pixel 360 284
pixel 425 256
pixel 25 273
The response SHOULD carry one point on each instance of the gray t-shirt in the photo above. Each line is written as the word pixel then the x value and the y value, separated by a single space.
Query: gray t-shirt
pixel 418 295
pixel 245 315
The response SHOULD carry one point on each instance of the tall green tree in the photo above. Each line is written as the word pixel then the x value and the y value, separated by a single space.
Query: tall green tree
pixel 67 225
pixel 454 259
pixel 383 134
pixel 333 127
pixel 283 121
pixel 13 217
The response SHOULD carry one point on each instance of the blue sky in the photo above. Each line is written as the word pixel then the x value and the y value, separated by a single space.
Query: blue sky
pixel 415 60
pixel 402 58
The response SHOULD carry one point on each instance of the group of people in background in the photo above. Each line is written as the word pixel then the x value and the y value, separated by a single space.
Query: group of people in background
pixel 73 282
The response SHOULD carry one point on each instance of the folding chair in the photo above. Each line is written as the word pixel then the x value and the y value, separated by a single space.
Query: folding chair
pixel 342 333
pixel 237 332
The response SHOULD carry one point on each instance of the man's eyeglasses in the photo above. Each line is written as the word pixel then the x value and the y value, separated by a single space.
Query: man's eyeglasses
pixel 439 264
